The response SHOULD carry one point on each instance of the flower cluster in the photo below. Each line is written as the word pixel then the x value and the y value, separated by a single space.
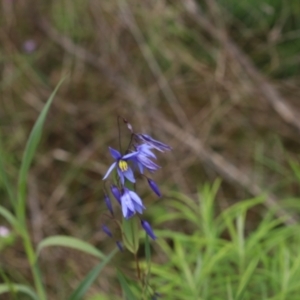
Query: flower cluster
pixel 138 158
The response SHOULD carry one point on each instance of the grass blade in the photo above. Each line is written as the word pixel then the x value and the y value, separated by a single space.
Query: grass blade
pixel 69 242
pixel 4 178
pixel 245 278
pixel 90 278
pixel 31 146
pixel 18 288
pixel 10 218
pixel 125 287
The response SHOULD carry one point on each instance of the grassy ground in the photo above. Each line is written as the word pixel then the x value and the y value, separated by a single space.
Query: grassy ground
pixel 171 69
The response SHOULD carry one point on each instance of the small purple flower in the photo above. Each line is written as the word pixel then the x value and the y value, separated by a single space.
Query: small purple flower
pixel 116 192
pixel 142 160
pixel 106 230
pixel 4 231
pixel 123 169
pixel 153 143
pixel 131 203
pixel 154 187
pixel 108 204
pixel 120 246
pixel 29 46
pixel 148 229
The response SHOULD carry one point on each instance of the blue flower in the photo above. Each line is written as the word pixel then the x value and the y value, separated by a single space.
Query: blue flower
pixel 148 229
pixel 142 158
pixel 153 143
pixel 123 169
pixel 131 203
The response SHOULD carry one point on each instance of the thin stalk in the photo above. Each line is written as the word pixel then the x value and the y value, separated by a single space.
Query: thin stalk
pixel 34 266
pixel 30 253
pixel 119 134
pixel 8 283
pixel 137 266
pixel 130 142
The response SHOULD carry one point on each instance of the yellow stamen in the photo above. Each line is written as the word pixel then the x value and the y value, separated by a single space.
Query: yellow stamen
pixel 123 165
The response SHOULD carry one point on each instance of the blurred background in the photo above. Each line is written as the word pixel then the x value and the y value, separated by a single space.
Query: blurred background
pixel 216 80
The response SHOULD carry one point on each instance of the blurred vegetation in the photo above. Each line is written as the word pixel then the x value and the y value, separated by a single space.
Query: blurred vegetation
pixel 153 63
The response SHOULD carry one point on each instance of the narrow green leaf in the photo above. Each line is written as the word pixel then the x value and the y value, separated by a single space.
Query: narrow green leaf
pixel 31 146
pixel 296 169
pixel 4 179
pixel 185 269
pixel 18 288
pixel 125 287
pixel 90 278
pixel 130 230
pixel 10 218
pixel 188 212
pixel 69 242
pixel 245 278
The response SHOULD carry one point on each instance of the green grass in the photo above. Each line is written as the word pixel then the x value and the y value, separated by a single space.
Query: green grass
pixel 221 258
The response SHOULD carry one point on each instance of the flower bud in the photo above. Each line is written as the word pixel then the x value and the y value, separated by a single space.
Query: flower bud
pixel 108 204
pixel 154 187
pixel 106 230
pixel 120 246
pixel 148 229
pixel 116 192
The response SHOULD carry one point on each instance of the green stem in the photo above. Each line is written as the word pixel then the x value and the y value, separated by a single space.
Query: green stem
pixel 137 266
pixel 34 266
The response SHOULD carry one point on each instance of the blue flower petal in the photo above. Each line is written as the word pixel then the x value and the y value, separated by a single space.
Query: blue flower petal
pixel 129 155
pixel 121 176
pixel 134 196
pixel 141 168
pixel 148 163
pixel 124 209
pixel 154 143
pixel 138 207
pixel 109 170
pixel 145 149
pixel 115 153
pixel 129 175
pixel 127 204
pixel 129 214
